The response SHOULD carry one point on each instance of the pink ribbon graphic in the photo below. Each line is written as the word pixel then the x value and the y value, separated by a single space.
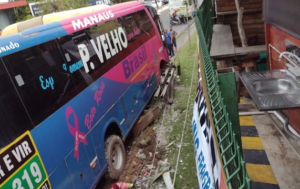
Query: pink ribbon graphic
pixel 75 132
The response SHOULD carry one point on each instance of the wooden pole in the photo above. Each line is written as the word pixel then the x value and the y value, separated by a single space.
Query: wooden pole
pixel 240 12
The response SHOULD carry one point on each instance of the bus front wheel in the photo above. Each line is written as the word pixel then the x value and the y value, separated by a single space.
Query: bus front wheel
pixel 115 156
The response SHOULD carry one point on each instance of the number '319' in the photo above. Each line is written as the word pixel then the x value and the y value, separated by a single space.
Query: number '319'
pixel 35 172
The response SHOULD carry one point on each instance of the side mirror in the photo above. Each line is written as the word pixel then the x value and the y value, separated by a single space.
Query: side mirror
pixel 163 37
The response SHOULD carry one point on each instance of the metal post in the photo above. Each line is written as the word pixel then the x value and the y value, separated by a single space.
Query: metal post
pixel 188 25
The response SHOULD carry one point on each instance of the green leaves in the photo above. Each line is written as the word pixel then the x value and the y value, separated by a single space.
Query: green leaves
pixel 50 6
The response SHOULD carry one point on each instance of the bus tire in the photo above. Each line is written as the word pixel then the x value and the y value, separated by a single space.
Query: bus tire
pixel 115 156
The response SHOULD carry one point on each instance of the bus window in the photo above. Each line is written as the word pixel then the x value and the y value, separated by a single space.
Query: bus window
pixel 160 28
pixel 143 20
pixel 131 27
pixel 138 29
pixel 41 78
pixel 69 45
pixel 143 30
pixel 13 117
pixel 152 11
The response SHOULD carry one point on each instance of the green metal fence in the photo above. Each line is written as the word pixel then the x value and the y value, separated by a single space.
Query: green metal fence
pixel 205 14
pixel 233 163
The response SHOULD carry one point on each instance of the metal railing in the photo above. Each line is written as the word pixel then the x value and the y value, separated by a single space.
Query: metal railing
pixel 233 163
pixel 205 14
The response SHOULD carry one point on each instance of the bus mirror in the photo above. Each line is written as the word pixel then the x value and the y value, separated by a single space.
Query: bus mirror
pixel 163 37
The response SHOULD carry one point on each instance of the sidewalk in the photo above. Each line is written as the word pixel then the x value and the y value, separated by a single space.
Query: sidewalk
pixel 257 162
pixel 164 7
pixel 281 150
pixel 184 39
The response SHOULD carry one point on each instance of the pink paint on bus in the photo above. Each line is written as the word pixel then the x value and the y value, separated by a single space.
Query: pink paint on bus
pixel 87 20
pixel 151 68
pixel 155 51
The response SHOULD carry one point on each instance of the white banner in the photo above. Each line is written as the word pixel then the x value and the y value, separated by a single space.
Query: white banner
pixel 207 158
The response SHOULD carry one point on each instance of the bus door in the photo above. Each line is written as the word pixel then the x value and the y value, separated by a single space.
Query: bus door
pixel 134 101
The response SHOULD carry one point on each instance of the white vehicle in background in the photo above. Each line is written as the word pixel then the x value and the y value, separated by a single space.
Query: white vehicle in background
pixel 165 1
pixel 153 3
pixel 180 6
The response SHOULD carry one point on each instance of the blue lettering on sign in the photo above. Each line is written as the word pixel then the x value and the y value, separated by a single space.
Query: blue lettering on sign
pixel 201 166
pixel 196 139
pixel 47 83
pixel 65 67
pixel 204 175
pixel 134 61
pixel 76 66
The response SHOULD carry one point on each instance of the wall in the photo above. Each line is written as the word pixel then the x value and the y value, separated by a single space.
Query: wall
pixel 252 21
pixel 276 37
pixel 6 17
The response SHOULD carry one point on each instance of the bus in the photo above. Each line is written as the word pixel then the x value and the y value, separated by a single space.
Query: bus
pixel 72 86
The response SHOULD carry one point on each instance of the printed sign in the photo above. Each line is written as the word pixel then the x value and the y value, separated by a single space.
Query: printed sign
pixel 208 162
pixel 182 9
pixel 101 2
pixel 35 9
pixel 21 166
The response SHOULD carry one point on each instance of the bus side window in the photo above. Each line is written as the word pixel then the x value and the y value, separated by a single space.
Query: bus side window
pixel 138 29
pixel 13 117
pixel 69 44
pixel 96 68
pixel 152 11
pixel 42 79
pixel 143 20
pixel 160 28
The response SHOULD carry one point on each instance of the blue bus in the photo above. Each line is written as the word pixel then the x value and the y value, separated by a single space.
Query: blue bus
pixel 72 86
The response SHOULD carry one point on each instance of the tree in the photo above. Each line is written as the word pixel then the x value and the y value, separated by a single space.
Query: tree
pixel 240 11
pixel 119 1
pixel 50 6
pixel 23 13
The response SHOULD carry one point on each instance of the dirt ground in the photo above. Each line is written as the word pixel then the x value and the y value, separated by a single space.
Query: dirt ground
pixel 143 161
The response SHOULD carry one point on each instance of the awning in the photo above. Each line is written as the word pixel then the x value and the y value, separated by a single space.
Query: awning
pixel 12 4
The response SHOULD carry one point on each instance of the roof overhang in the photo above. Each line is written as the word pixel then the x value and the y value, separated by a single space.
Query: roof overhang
pixel 12 4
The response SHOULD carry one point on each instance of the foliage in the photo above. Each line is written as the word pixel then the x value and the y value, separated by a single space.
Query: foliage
pixel 186 3
pixel 23 13
pixel 177 120
pixel 119 1
pixel 50 6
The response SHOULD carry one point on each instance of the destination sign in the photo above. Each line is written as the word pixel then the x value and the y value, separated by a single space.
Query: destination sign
pixel 21 165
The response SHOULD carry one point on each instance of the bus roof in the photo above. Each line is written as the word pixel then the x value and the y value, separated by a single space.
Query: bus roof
pixel 60 24
pixel 48 18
